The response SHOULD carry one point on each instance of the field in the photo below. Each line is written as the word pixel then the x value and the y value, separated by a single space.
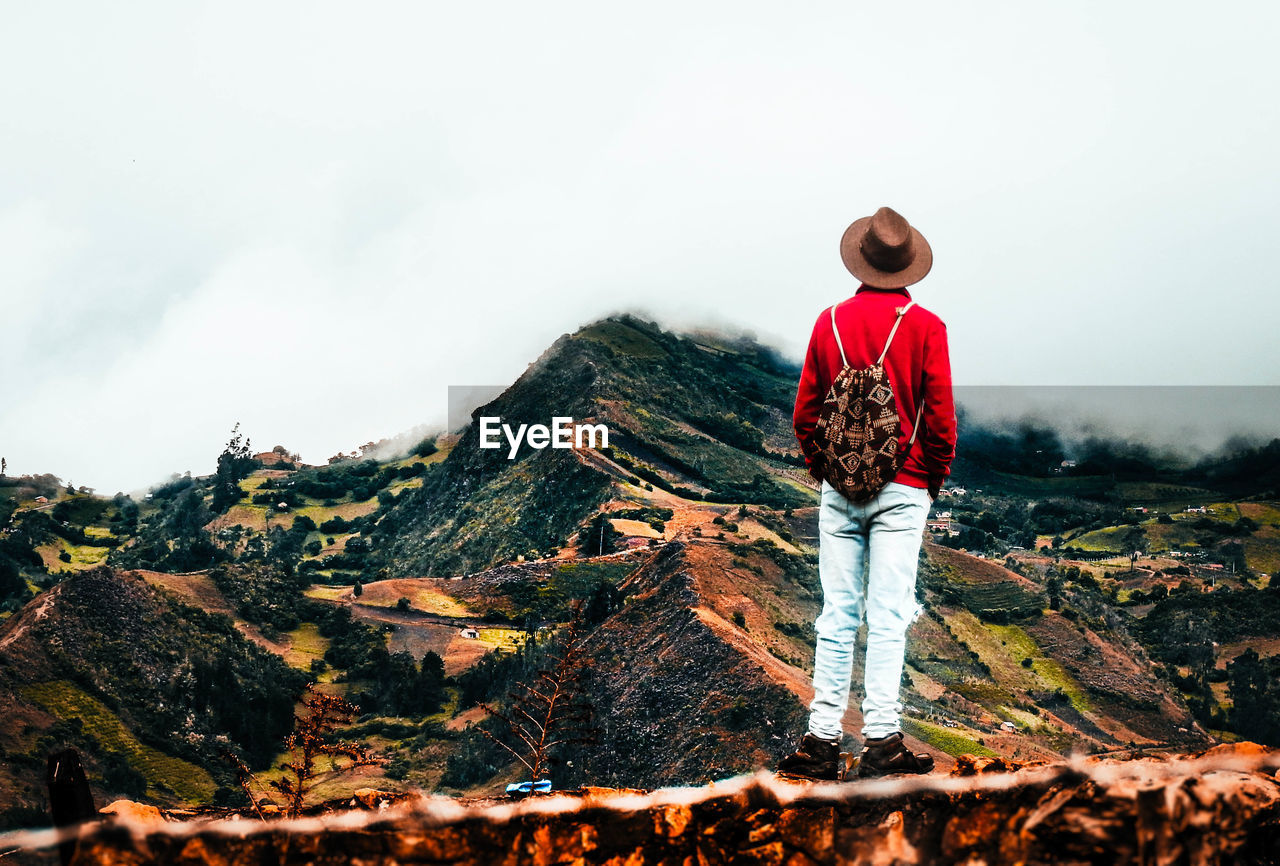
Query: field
pixel 305 644
pixel 982 585
pixel 165 774
pixel 423 594
pixel 83 556
pixel 947 739
pixel 1050 672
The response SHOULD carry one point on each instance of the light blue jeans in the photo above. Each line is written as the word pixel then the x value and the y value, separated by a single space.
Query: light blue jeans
pixel 882 537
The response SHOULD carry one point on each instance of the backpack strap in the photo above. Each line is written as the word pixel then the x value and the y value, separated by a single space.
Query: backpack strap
pixel 836 331
pixel 916 429
pixel 902 311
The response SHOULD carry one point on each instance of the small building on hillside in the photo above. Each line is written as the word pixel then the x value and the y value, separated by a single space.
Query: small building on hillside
pixel 469 633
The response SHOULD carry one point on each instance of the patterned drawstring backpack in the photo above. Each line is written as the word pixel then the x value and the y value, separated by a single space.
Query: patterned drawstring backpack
pixel 857 430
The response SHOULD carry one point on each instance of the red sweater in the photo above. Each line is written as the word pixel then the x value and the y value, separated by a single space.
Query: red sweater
pixel 918 364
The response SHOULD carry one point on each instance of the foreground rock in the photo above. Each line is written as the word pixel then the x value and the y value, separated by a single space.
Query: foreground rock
pixel 1220 807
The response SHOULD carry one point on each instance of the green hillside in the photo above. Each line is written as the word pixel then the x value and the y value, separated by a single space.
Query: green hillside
pixel 1103 602
pixel 691 419
pixel 150 690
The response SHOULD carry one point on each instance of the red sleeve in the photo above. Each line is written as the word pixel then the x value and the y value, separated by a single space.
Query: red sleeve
pixel 809 397
pixel 938 436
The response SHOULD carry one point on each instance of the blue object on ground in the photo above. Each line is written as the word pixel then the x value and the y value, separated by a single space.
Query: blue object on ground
pixel 541 787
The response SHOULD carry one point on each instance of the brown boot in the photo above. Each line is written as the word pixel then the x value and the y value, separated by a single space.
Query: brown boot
pixel 885 755
pixel 816 759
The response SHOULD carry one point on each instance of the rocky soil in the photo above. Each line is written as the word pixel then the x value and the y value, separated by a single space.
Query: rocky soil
pixel 1222 806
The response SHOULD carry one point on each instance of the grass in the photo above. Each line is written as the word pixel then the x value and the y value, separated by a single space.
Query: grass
pixel 100 532
pixel 1262 553
pixel 1261 513
pixel 578 579
pixel 1107 539
pixel 164 773
pixel 83 556
pixel 946 739
pixel 325 592
pixel 422 594
pixel 1261 549
pixel 254 516
pixel 1050 672
pixel 624 339
pixel 1168 536
pixel 1003 659
pixel 305 644
pixel 327 549
pixel 255 481
pixel 333 781
pixel 502 638
pixel 346 510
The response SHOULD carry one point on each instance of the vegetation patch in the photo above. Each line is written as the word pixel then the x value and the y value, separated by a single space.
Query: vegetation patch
pixel 306 645
pixel 1055 677
pixel 623 338
pixel 947 739
pixel 988 590
pixel 165 774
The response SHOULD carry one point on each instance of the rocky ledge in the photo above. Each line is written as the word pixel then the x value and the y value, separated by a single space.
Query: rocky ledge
pixel 1221 806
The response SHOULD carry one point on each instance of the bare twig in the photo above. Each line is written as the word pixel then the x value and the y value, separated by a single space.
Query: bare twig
pixel 536 716
pixel 323 715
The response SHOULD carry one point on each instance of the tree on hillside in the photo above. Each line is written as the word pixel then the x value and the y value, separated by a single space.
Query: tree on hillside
pixel 599 536
pixel 312 738
pixel 549 713
pixel 1254 685
pixel 1132 542
pixel 234 464
pixel 1055 592
pixel 192 548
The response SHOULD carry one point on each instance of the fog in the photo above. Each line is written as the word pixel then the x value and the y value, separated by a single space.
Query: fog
pixel 314 219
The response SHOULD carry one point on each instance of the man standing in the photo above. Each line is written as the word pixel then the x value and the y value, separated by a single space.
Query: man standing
pixel 882 535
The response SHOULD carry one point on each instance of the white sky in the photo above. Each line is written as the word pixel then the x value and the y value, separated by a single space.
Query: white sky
pixel 312 218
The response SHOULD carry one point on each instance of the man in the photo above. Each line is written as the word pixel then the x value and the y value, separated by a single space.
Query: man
pixel 884 534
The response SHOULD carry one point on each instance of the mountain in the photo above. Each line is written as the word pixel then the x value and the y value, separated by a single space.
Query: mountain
pixel 148 689
pixel 711 419
pixel 1101 607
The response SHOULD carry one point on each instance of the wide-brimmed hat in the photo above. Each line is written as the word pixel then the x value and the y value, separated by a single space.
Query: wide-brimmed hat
pixel 884 251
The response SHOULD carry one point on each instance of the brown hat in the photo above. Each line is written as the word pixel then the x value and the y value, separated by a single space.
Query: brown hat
pixel 884 251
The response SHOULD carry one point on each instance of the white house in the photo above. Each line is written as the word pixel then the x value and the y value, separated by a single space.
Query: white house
pixel 469 633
